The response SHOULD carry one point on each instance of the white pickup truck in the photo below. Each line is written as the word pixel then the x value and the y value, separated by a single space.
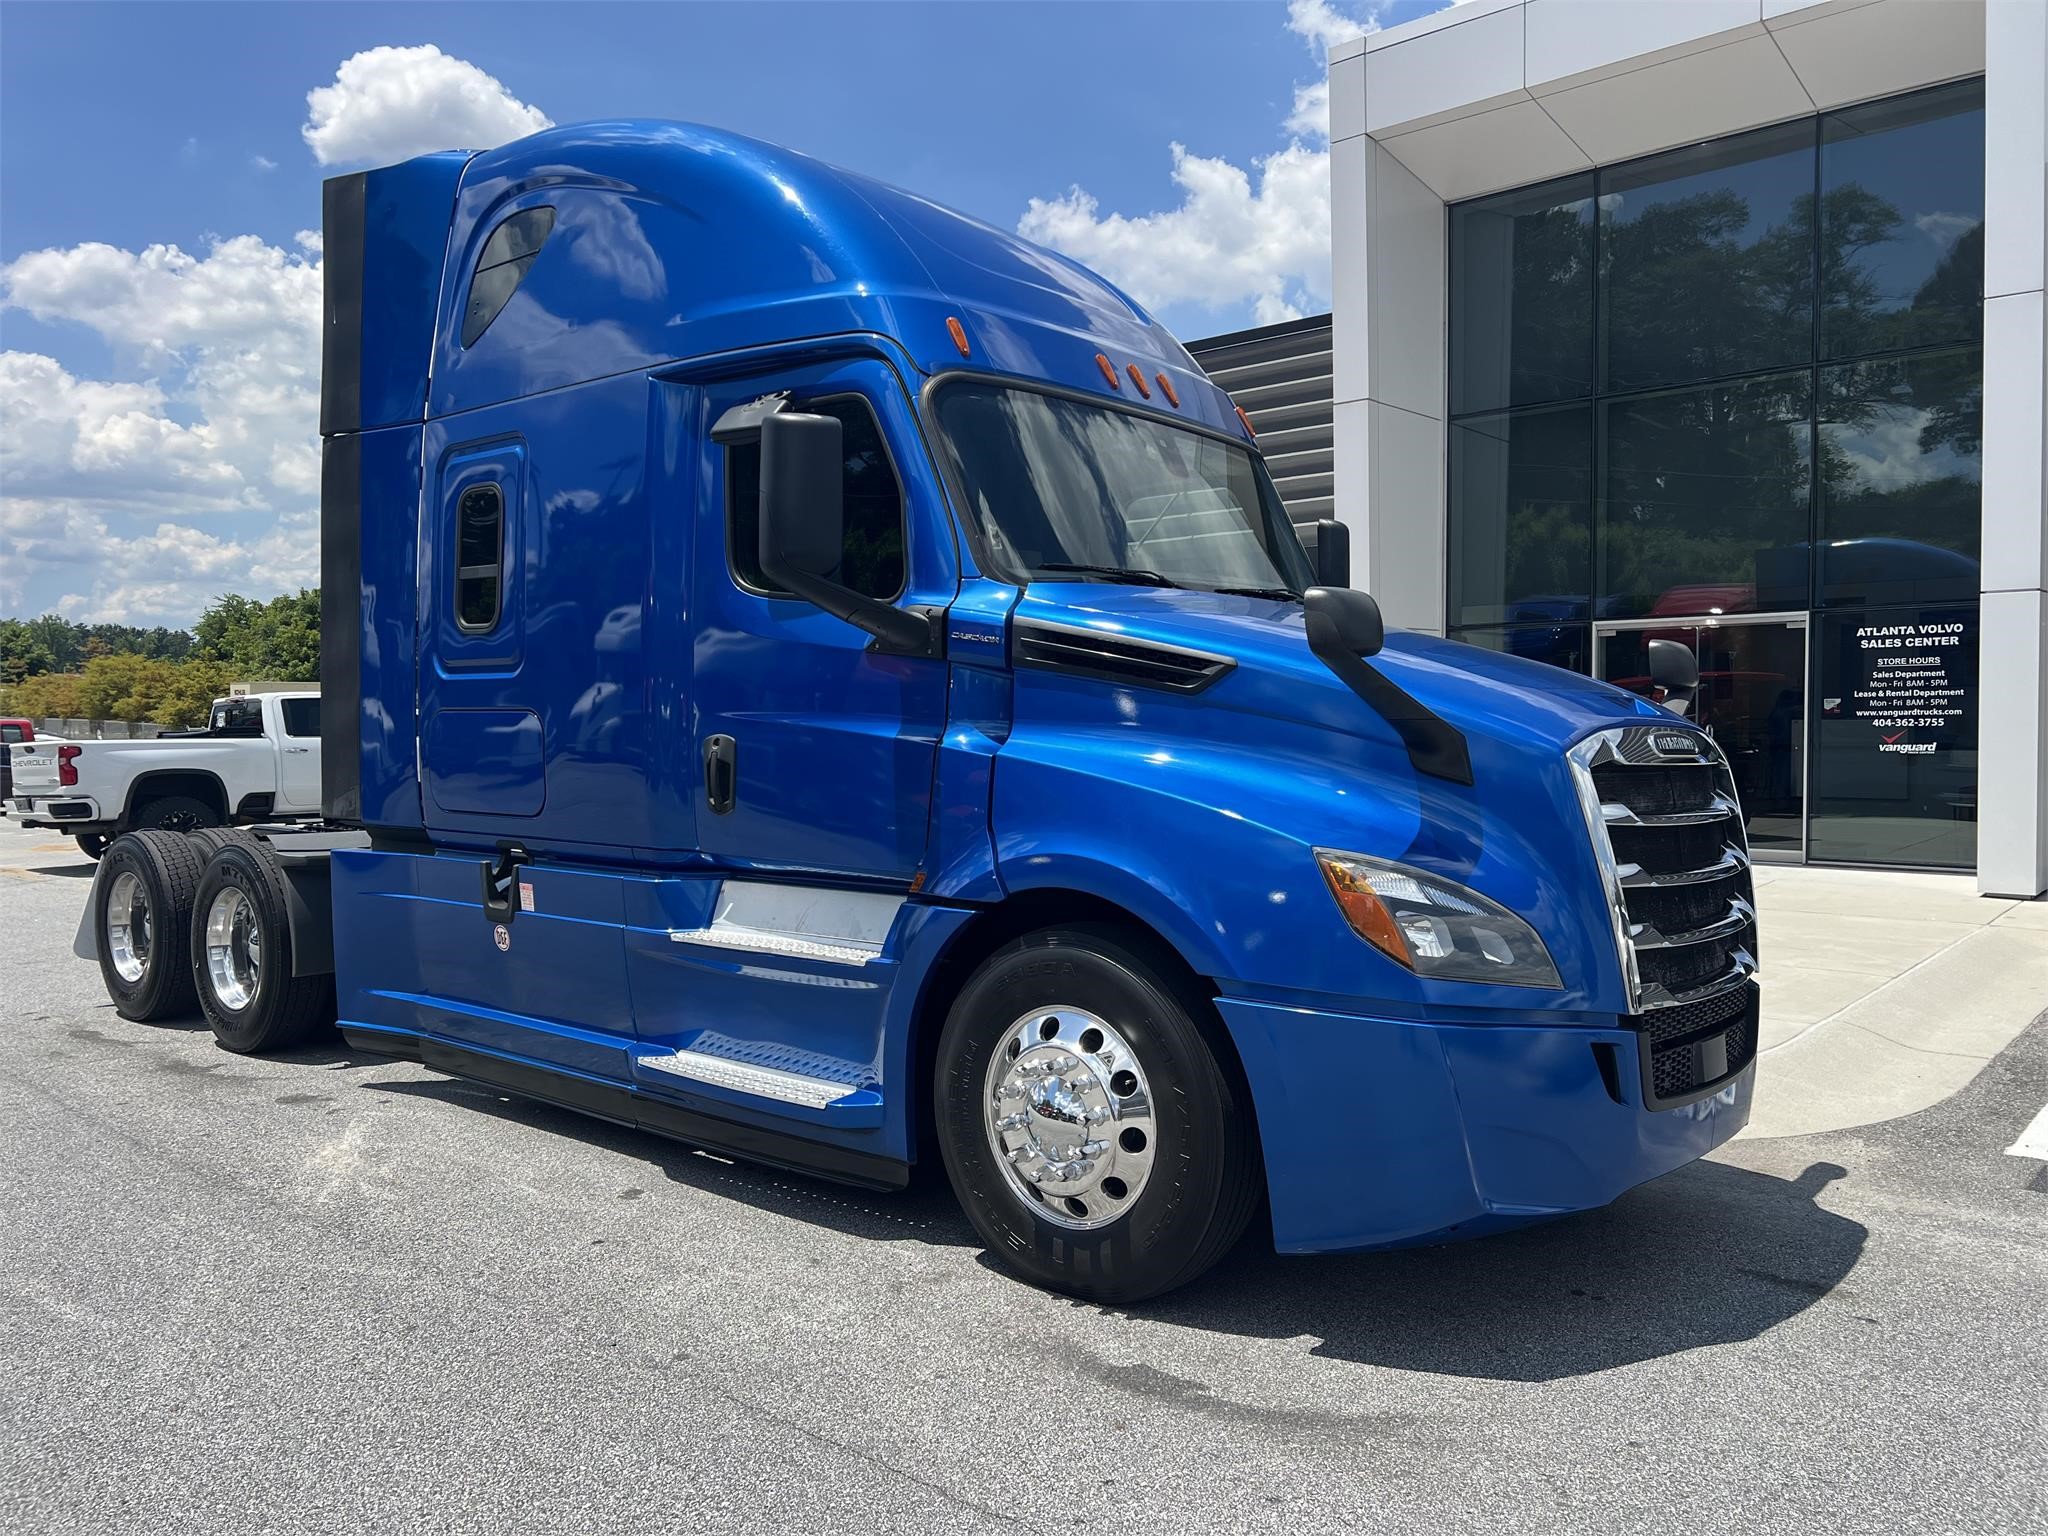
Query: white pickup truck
pixel 258 759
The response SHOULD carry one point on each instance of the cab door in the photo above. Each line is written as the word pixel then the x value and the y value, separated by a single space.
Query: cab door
pixel 296 729
pixel 814 752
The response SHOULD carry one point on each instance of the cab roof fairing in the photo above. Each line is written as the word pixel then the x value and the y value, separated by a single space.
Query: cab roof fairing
pixel 674 241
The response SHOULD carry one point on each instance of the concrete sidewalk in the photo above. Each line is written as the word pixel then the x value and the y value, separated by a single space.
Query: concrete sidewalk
pixel 1886 992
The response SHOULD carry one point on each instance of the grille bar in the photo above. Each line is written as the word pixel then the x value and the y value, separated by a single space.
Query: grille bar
pixel 1667 830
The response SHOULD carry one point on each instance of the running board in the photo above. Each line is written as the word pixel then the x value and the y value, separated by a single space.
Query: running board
pixel 623 1105
pixel 744 1077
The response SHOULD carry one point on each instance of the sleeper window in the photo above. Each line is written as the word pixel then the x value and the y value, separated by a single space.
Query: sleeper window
pixel 871 560
pixel 502 268
pixel 479 557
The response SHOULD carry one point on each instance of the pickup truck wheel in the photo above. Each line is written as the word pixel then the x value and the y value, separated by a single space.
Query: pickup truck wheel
pixel 91 844
pixel 142 911
pixel 241 955
pixel 176 813
pixel 1090 1126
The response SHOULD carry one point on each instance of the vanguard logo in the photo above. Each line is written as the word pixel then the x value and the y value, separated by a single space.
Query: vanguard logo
pixel 1911 748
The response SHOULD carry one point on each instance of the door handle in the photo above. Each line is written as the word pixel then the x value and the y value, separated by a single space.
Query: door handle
pixel 721 773
pixel 298 750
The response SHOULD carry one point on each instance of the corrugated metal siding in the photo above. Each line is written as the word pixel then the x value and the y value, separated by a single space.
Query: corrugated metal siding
pixel 1280 375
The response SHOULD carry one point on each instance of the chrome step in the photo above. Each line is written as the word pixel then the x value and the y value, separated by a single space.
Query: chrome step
pixel 743 1077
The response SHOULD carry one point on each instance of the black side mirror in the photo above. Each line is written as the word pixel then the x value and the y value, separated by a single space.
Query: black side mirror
pixel 803 530
pixel 1333 553
pixel 1676 672
pixel 1343 620
pixel 803 497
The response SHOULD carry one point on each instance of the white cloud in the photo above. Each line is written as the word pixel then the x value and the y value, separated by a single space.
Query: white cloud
pixel 140 500
pixel 263 162
pixel 1945 229
pixel 389 104
pixel 1257 237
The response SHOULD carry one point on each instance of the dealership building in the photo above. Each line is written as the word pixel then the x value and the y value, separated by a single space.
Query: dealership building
pixel 1719 320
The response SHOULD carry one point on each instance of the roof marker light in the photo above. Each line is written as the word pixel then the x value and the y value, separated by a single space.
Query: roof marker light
pixel 958 332
pixel 1108 370
pixel 1247 422
pixel 1138 379
pixel 1166 388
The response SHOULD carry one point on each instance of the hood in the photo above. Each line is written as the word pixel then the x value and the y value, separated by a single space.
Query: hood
pixel 1507 699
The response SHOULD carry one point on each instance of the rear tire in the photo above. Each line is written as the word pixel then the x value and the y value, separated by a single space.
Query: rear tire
pixel 241 955
pixel 176 813
pixel 1091 1118
pixel 142 913
pixel 210 840
pixel 92 844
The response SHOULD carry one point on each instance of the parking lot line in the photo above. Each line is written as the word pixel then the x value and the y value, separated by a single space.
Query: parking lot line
pixel 2033 1140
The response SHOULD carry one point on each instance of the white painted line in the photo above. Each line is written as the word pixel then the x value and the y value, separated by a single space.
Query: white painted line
pixel 2033 1140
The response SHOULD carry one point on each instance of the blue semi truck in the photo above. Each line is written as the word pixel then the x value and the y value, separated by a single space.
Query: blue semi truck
pixel 816 676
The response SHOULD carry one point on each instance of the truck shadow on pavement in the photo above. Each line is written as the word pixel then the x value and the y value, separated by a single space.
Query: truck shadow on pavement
pixel 1709 1254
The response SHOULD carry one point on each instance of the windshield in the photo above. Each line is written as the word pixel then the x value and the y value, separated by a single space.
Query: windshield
pixel 1071 491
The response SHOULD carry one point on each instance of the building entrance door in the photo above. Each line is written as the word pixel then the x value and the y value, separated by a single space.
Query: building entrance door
pixel 1751 700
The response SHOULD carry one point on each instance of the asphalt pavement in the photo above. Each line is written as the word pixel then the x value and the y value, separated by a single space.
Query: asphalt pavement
pixel 333 1292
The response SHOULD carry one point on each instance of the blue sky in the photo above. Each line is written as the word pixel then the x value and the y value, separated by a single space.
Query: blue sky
pixel 157 404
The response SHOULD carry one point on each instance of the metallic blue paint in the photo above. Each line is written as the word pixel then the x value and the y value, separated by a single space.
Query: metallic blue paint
pixel 689 271
pixel 1383 1132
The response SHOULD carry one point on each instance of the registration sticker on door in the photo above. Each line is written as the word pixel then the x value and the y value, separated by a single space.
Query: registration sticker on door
pixel 526 895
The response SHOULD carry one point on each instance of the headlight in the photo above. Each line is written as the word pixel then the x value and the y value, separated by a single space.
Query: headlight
pixel 1435 927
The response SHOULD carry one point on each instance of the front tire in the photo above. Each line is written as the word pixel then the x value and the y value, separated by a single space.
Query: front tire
pixel 142 913
pixel 1092 1125
pixel 241 955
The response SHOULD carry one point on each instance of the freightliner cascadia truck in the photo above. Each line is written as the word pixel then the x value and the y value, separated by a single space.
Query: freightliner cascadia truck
pixel 816 676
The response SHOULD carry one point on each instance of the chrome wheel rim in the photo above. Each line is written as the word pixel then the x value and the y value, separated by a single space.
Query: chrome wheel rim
pixel 128 926
pixel 234 949
pixel 1068 1112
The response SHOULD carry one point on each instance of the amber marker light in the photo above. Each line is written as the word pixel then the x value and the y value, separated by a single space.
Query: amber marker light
pixel 1108 370
pixel 1138 379
pixel 958 333
pixel 1166 388
pixel 1363 909
pixel 1247 421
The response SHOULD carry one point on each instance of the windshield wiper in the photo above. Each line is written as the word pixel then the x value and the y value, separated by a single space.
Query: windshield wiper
pixel 1136 577
pixel 1281 594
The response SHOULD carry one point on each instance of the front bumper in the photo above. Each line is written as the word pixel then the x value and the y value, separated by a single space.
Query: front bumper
pixel 1379 1133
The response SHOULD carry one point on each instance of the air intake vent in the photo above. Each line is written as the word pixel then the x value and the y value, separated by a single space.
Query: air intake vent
pixel 1114 658
pixel 1668 832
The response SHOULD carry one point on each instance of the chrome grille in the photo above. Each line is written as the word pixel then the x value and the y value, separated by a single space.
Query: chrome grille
pixel 1667 830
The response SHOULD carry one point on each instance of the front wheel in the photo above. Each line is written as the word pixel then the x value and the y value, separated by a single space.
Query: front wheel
pixel 1092 1127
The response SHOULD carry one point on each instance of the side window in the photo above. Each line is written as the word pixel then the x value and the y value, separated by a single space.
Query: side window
pixel 11 733
pixel 502 268
pixel 871 561
pixel 301 717
pixel 479 557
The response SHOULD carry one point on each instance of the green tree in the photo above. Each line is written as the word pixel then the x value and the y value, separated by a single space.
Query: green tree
pixel 279 639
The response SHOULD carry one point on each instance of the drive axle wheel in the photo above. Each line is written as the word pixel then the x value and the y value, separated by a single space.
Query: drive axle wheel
pixel 1091 1118
pixel 242 955
pixel 142 908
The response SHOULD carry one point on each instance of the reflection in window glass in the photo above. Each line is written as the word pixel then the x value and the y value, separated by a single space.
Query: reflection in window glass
pixel 1901 471
pixel 1560 645
pixel 1706 260
pixel 1522 297
pixel 479 556
pixel 871 561
pixel 1894 773
pixel 301 717
pixel 1902 222
pixel 1521 510
pixel 1707 498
